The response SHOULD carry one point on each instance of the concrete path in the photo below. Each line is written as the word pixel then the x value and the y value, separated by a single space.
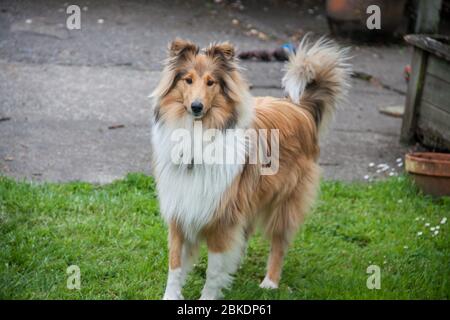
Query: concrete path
pixel 61 90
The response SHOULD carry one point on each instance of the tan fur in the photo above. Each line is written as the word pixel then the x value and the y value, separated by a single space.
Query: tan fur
pixel 178 95
pixel 278 203
pixel 176 241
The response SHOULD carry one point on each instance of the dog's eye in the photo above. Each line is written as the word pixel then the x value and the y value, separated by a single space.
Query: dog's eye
pixel 189 80
pixel 209 83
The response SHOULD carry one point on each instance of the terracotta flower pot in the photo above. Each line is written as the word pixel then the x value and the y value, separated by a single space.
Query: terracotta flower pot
pixel 430 171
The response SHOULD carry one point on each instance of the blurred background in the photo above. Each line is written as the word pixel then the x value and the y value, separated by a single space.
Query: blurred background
pixel 74 103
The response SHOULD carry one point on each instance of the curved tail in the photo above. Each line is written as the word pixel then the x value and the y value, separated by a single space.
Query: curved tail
pixel 317 78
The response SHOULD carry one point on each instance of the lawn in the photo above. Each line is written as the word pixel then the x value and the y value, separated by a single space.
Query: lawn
pixel 116 237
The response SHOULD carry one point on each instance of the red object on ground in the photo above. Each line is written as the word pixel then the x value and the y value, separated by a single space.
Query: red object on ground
pixel 407 72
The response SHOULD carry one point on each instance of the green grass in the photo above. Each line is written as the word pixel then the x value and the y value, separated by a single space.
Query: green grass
pixel 116 237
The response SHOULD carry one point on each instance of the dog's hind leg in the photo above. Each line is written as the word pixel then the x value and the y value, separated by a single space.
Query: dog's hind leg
pixel 284 222
pixel 224 256
pixel 182 254
pixel 279 245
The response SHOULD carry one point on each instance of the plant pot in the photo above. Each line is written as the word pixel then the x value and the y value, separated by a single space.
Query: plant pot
pixel 430 171
pixel 349 17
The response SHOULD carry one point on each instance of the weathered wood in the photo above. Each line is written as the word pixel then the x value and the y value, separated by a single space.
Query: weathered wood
pixel 415 87
pixel 436 44
pixel 434 126
pixel 438 118
pixel 428 16
pixel 427 110
pixel 439 68
pixel 437 92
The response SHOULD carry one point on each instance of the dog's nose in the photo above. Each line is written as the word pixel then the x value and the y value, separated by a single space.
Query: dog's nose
pixel 197 107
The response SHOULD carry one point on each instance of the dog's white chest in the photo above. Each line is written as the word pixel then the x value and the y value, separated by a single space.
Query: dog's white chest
pixel 188 194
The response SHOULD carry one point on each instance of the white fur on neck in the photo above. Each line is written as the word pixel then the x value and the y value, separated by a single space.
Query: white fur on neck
pixel 190 196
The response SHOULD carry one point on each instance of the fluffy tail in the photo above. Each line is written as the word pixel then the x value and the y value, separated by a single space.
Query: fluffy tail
pixel 317 78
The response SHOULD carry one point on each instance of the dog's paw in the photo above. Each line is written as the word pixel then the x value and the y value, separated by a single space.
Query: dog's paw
pixel 211 295
pixel 268 284
pixel 169 295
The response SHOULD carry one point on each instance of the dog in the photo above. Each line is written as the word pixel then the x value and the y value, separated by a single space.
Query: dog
pixel 222 204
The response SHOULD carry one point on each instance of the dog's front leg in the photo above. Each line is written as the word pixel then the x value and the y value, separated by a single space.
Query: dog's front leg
pixel 181 253
pixel 223 261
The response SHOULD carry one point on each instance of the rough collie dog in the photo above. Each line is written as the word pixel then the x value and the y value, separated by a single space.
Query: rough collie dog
pixel 222 203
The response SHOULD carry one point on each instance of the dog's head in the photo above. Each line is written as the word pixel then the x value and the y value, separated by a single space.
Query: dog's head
pixel 200 85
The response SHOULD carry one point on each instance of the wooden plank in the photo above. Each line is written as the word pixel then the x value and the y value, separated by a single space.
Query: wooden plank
pixel 439 118
pixel 437 92
pixel 439 68
pixel 415 87
pixel 435 44
pixel 434 125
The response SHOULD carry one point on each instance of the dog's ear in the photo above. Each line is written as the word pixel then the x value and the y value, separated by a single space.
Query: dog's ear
pixel 179 47
pixel 225 50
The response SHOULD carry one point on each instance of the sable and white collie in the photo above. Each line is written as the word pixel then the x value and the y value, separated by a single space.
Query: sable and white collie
pixel 222 203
